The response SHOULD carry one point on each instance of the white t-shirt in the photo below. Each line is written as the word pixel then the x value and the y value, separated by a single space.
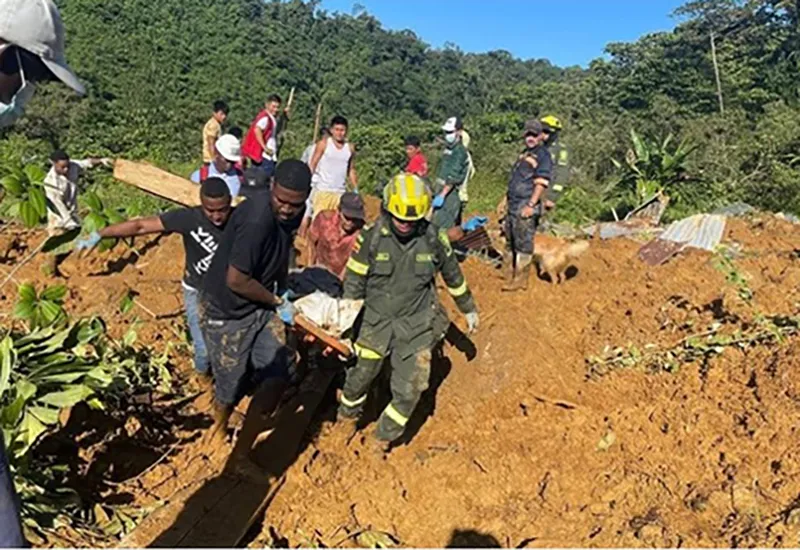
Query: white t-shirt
pixel 270 153
pixel 62 196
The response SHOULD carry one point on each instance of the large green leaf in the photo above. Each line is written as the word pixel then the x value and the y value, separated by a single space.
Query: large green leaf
pixel 25 310
pixel 28 214
pixel 49 312
pixel 68 397
pixel 54 293
pixel 34 174
pixel 45 415
pixel 114 217
pixel 7 358
pixel 29 431
pixel 12 185
pixel 38 201
pixel 86 331
pixel 10 414
pixel 94 222
pixel 27 292
pixel 93 202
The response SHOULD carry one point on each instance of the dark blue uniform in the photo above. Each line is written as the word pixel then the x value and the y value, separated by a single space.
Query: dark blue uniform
pixel 533 164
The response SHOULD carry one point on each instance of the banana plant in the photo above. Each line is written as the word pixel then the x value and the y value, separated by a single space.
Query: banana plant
pixel 650 167
pixel 24 186
pixel 100 216
pixel 41 309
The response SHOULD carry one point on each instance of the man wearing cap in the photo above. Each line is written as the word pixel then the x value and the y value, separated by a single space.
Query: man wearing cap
pixel 31 51
pixel 333 234
pixel 529 180
pixel 227 152
pixel 451 173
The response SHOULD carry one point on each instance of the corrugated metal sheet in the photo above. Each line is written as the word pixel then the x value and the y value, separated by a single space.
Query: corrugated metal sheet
pixel 702 231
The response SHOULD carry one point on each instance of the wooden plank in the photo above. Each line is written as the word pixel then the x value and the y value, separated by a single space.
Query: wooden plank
pixel 309 326
pixel 157 182
pixel 228 520
pixel 658 251
pixel 222 510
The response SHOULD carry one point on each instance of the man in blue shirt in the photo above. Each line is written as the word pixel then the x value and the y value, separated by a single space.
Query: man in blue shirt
pixel 530 178
pixel 227 152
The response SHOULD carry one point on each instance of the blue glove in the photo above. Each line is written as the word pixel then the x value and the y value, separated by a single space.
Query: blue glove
pixel 475 222
pixel 89 242
pixel 286 310
pixel 438 202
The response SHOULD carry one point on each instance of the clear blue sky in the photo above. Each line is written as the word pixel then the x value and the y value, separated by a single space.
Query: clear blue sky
pixel 567 32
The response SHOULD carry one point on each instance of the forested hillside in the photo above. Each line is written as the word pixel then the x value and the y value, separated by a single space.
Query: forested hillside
pixel 153 68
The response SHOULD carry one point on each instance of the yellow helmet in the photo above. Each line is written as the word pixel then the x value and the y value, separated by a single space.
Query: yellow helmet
pixel 407 197
pixel 552 122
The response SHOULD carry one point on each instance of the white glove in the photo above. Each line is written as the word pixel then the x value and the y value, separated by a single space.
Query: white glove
pixel 107 162
pixel 472 321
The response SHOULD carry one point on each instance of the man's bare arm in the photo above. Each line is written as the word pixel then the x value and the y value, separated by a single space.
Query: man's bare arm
pixel 133 228
pixel 315 158
pixel 249 288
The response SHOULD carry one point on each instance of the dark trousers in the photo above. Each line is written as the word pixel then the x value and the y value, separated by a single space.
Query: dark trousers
pixel 10 529
pixel 519 233
pixel 245 352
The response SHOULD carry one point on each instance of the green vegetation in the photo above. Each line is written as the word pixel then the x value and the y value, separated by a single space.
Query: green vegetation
pixel 151 86
pixel 44 373
pixel 41 309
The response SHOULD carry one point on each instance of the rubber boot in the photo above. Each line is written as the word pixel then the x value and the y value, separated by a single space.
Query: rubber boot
pixel 508 270
pixel 521 274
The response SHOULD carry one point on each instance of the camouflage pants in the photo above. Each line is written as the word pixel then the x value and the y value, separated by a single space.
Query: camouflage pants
pixel 411 373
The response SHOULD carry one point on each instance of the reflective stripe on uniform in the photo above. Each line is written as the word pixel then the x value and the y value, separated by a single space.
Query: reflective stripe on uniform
pixel 366 353
pixel 357 267
pixel 355 403
pixel 395 415
pixel 460 290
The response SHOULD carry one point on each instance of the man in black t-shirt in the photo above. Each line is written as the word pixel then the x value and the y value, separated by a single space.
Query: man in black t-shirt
pixel 201 228
pixel 244 301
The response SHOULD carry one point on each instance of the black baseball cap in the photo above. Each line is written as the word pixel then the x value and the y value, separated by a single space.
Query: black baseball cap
pixel 352 206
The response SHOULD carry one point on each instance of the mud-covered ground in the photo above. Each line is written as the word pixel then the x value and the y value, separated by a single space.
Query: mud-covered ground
pixel 514 445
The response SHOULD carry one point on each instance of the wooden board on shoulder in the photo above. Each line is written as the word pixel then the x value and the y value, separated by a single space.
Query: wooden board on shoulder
pixel 157 182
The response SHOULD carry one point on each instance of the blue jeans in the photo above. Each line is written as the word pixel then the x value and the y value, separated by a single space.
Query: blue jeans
pixel 191 302
pixel 10 529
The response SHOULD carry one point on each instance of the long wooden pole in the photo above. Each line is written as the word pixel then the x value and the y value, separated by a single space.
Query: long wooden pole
pixel 716 74
pixel 317 119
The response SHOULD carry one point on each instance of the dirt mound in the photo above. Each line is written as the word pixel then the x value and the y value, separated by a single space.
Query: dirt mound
pixel 513 444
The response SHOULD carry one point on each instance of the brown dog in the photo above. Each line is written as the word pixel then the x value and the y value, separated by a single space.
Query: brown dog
pixel 554 255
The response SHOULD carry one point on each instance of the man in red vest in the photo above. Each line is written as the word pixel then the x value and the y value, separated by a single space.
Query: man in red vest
pixel 261 142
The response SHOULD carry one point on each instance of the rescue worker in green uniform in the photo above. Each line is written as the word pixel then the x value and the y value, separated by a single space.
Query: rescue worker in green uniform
pixel 560 157
pixel 393 269
pixel 453 169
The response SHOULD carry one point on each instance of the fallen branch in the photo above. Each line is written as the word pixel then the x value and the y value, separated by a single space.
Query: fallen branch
pixel 23 262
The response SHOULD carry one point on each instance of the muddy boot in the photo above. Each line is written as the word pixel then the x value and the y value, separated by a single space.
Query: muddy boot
pixel 508 270
pixel 521 273
pixel 217 435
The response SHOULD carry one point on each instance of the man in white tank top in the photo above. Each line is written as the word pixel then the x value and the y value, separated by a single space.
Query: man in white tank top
pixel 332 164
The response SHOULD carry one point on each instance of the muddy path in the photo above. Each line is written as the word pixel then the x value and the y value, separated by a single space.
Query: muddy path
pixel 513 445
